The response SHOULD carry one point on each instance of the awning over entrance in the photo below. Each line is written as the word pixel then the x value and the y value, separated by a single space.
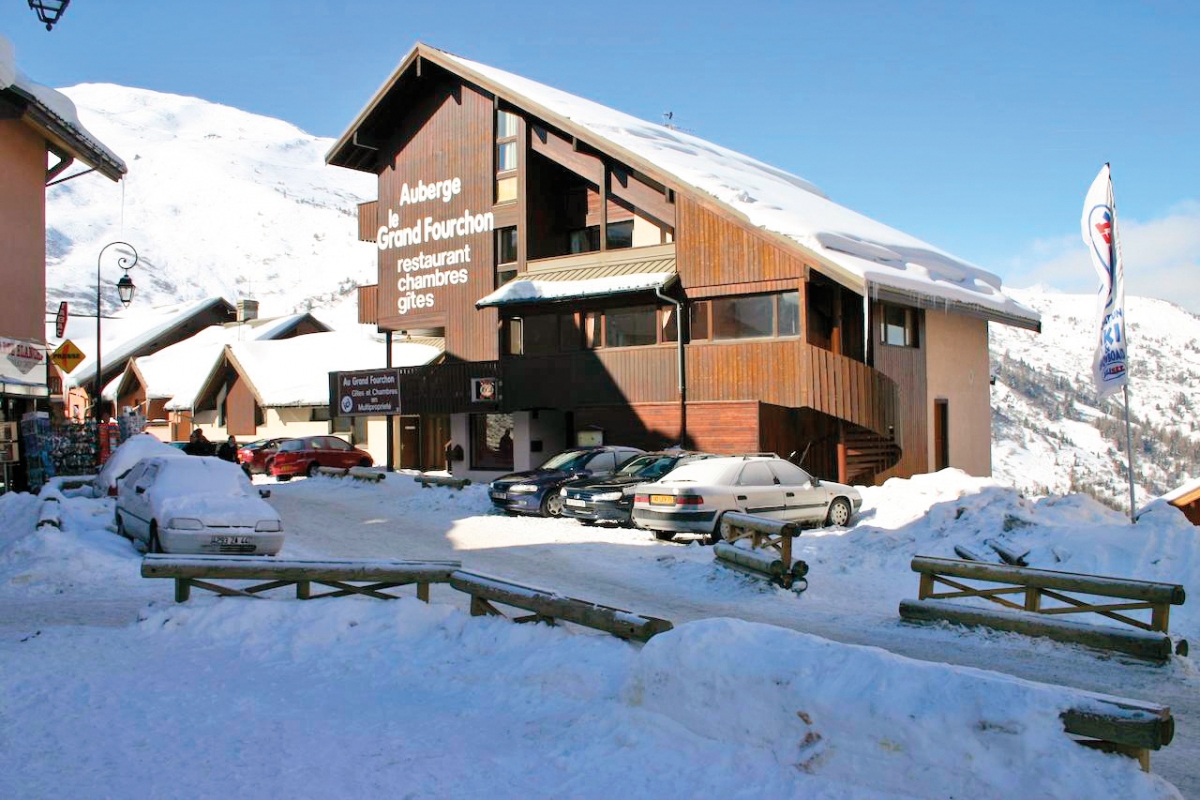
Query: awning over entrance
pixel 598 274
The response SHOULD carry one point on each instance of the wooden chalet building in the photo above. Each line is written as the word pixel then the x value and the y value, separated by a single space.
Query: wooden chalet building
pixel 557 245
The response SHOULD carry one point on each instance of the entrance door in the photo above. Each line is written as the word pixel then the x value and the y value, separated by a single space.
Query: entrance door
pixel 410 442
pixel 941 434
pixel 436 432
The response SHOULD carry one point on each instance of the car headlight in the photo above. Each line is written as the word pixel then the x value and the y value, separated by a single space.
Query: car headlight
pixel 608 496
pixel 523 488
pixel 185 524
pixel 269 526
pixel 562 492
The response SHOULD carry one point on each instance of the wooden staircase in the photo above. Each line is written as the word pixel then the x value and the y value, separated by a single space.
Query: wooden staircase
pixel 867 454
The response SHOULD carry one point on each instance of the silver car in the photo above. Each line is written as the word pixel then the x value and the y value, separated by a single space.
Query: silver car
pixel 692 498
pixel 193 504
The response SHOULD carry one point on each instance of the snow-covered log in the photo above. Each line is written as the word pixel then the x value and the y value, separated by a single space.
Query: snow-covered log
pixel 549 606
pixel 338 574
pixel 50 513
pixel 428 481
pixel 1143 644
pixel 366 474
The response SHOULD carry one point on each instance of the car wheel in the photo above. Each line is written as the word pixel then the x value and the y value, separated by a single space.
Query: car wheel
pixel 155 545
pixel 839 512
pixel 664 536
pixel 552 506
pixel 312 469
pixel 715 536
pixel 364 463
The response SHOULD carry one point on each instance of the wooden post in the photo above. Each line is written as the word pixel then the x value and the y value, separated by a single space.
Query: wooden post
pixel 183 590
pixel 1160 617
pixel 926 588
pixel 843 465
pixel 1033 598
pixel 303 590
pixel 423 592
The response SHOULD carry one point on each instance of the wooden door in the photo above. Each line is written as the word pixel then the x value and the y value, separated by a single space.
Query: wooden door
pixel 941 434
pixel 410 442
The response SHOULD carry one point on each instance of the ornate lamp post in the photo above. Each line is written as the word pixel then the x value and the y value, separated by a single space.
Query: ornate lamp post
pixel 48 11
pixel 125 289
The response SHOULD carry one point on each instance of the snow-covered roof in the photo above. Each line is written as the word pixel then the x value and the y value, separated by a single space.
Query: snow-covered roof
pixel 59 108
pixel 1185 490
pixel 533 288
pixel 853 248
pixel 295 372
pixel 126 334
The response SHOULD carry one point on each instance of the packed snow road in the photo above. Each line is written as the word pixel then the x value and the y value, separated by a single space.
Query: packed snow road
pixel 857 576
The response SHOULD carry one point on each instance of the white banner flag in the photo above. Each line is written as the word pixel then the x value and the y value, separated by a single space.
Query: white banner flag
pixel 1100 235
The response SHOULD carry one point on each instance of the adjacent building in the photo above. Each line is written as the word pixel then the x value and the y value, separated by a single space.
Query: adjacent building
pixel 597 278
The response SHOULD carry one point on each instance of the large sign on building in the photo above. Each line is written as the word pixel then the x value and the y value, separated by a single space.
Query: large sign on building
pixel 368 392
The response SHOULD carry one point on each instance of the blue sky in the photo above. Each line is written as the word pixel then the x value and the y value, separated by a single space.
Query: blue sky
pixel 975 126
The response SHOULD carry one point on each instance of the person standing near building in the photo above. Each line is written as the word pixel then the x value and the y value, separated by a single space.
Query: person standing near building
pixel 228 450
pixel 198 444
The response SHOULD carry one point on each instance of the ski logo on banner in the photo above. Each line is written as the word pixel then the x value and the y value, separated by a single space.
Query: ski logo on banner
pixel 1111 363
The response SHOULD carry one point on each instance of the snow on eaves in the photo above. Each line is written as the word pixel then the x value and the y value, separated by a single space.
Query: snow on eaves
pixel 53 102
pixel 867 251
pixel 526 290
pixel 295 372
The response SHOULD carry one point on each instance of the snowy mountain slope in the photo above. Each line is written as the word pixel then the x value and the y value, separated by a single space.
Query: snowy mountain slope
pixel 1049 433
pixel 216 201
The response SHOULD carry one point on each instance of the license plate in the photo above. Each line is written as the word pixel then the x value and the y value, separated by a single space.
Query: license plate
pixel 662 499
pixel 231 540
pixel 573 503
pixel 499 495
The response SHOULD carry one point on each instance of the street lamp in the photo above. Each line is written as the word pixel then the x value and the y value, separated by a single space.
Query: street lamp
pixel 48 11
pixel 125 289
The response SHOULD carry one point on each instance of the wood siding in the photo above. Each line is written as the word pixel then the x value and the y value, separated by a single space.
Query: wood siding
pixel 368 221
pixel 240 409
pixel 723 428
pixel 905 366
pixel 368 304
pixel 593 377
pixel 715 251
pixel 447 133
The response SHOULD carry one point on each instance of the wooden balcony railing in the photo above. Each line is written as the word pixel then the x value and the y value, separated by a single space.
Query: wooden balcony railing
pixel 368 221
pixel 368 304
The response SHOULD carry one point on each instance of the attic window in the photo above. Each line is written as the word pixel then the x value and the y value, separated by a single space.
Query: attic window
pixel 900 326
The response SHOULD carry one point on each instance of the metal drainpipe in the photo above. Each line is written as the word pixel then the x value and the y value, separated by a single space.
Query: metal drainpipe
pixel 679 348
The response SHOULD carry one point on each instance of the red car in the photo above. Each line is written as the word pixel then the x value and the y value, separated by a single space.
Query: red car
pixel 302 456
pixel 253 457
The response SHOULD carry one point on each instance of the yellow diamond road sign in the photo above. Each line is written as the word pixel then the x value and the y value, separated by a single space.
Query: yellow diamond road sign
pixel 67 356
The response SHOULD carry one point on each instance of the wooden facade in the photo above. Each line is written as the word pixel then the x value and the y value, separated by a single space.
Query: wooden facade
pixel 825 384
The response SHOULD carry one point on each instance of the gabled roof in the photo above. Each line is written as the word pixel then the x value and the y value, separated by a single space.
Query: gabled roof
pixel 178 372
pixel 859 252
pixel 53 113
pixel 295 372
pixel 130 335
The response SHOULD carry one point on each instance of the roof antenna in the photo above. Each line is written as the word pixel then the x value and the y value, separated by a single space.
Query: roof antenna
pixel 667 117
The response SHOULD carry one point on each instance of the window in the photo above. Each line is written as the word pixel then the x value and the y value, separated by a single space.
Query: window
pixel 789 474
pixel 593 327
pixel 743 317
pixel 666 324
pixel 506 246
pixel 585 240
pixel 491 441
pixel 540 335
pixel 569 335
pixel 698 321
pixel 507 156
pixel 603 462
pixel 630 327
pixel 514 340
pixel 619 235
pixel 789 314
pixel 899 326
pixel 757 473
pixel 502 277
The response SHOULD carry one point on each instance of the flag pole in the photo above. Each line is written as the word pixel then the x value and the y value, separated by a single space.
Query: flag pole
pixel 1129 453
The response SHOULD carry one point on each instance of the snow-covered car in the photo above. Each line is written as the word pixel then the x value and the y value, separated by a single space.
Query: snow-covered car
pixel 195 504
pixel 692 498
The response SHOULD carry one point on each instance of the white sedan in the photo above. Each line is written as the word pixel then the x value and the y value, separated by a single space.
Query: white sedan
pixel 191 504
pixel 692 498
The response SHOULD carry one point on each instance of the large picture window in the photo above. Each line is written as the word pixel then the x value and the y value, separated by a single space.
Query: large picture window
pixel 491 441
pixel 630 327
pixel 756 316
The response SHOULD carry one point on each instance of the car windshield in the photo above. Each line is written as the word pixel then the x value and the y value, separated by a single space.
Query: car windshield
pixel 648 466
pixel 568 460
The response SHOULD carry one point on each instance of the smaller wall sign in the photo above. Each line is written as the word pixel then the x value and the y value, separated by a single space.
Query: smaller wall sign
pixel 8 431
pixel 60 320
pixel 67 356
pixel 485 390
pixel 364 393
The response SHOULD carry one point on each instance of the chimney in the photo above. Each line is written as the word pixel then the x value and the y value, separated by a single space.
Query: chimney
pixel 247 310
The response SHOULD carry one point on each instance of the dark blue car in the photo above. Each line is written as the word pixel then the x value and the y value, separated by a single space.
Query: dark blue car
pixel 536 491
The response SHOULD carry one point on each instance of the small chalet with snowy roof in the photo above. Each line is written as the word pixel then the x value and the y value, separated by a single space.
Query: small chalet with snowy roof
pixel 600 278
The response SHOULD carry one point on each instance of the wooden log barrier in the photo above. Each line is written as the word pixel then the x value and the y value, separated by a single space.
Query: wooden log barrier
pixel 1143 644
pixel 366 474
pixel 49 514
pixel 1038 585
pixel 549 606
pixel 332 472
pixel 771 540
pixel 429 481
pixel 343 576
